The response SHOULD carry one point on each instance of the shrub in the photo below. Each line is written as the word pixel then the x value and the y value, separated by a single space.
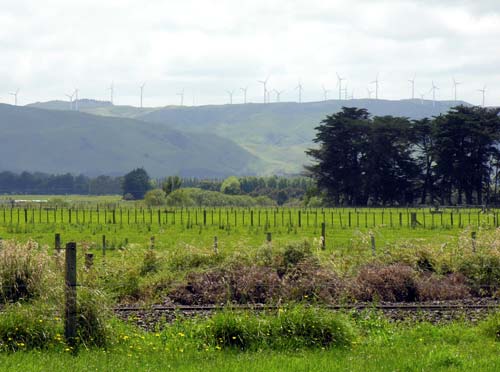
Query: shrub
pixel 92 316
pixel 394 283
pixel 254 284
pixel 450 287
pixel 27 326
pixel 491 326
pixel 204 288
pixel 296 253
pixel 150 263
pixel 22 269
pixel 154 198
pixel 482 273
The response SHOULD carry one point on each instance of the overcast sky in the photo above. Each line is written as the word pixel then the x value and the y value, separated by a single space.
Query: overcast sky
pixel 206 47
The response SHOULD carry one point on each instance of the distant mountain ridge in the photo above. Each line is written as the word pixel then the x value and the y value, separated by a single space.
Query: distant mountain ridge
pixel 67 141
pixel 277 133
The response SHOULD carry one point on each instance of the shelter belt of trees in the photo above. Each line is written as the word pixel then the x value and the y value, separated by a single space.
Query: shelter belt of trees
pixel 450 159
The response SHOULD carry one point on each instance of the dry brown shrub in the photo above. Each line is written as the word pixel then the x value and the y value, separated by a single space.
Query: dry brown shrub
pixel 202 288
pixel 393 283
pixel 308 280
pixel 254 284
pixel 450 287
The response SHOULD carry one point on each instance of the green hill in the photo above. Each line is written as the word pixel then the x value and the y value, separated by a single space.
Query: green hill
pixel 67 141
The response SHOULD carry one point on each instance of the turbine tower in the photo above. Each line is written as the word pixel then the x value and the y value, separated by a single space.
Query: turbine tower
pixel 433 89
pixel 483 91
pixel 376 86
pixel 181 94
pixel 339 83
pixel 278 94
pixel 370 92
pixel 299 87
pixel 111 92
pixel 264 83
pixel 15 96
pixel 142 91
pixel 75 93
pixel 230 93
pixel 70 96
pixel 455 84
pixel 412 82
pixel 325 93
pixel 422 97
pixel 244 90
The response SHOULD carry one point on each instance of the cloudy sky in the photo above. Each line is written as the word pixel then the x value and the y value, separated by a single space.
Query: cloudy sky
pixel 209 47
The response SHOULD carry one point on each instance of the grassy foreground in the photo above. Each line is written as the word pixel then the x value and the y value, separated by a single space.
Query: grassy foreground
pixel 422 347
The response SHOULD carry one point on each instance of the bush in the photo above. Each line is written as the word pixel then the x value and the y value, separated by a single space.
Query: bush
pixel 150 263
pixel 27 326
pixel 482 273
pixel 22 270
pixel 92 316
pixel 154 198
pixel 491 326
pixel 394 283
pixel 290 329
pixel 450 287
pixel 231 186
pixel 189 197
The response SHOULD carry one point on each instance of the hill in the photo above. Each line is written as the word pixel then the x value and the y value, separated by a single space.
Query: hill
pixel 279 133
pixel 67 141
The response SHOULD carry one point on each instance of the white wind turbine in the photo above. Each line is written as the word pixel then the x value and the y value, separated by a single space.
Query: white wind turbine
pixel 412 82
pixel 15 94
pixel 433 89
pixel 483 91
pixel 278 94
pixel 370 92
pixel 455 84
pixel 230 93
pixel 422 97
pixel 111 92
pixel 75 93
pixel 244 90
pixel 181 94
pixel 325 93
pixel 142 91
pixel 339 83
pixel 70 96
pixel 376 82
pixel 264 83
pixel 299 88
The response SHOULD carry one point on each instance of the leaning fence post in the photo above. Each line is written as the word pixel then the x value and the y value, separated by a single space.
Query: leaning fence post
pixel 473 237
pixel 372 240
pixel 70 292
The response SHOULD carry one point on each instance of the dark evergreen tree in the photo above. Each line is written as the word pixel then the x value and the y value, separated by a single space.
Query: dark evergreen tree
pixel 136 183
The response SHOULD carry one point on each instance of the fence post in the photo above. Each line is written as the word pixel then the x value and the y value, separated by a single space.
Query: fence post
pixel 473 237
pixel 372 240
pixel 58 243
pixel 152 245
pixel 89 260
pixel 216 245
pixel 269 237
pixel 323 235
pixel 70 294
pixel 104 245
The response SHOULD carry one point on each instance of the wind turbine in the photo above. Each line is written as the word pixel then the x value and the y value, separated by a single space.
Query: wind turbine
pixel 15 96
pixel 422 97
pixel 299 87
pixel 244 90
pixel 278 94
pixel 264 83
pixel 70 96
pixel 376 86
pixel 230 92
pixel 339 83
pixel 369 93
pixel 433 89
pixel 111 91
pixel 75 93
pixel 181 94
pixel 455 84
pixel 345 93
pixel 412 82
pixel 483 91
pixel 142 91
pixel 325 93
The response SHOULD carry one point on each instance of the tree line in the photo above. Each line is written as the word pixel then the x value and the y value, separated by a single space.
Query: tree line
pixel 450 159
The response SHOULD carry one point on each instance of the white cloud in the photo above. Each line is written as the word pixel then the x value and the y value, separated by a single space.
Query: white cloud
pixel 208 47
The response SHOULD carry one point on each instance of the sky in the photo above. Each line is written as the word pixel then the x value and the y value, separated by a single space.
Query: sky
pixel 209 48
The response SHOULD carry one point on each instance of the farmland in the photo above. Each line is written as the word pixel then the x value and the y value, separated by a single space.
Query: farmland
pixel 145 257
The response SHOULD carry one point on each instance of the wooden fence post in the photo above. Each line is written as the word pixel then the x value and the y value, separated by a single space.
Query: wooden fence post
pixel 473 236
pixel 216 245
pixel 152 245
pixel 104 245
pixel 70 294
pixel 58 243
pixel 269 237
pixel 372 240
pixel 89 260
pixel 323 235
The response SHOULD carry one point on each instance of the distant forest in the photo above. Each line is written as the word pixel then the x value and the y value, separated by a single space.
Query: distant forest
pixel 277 188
